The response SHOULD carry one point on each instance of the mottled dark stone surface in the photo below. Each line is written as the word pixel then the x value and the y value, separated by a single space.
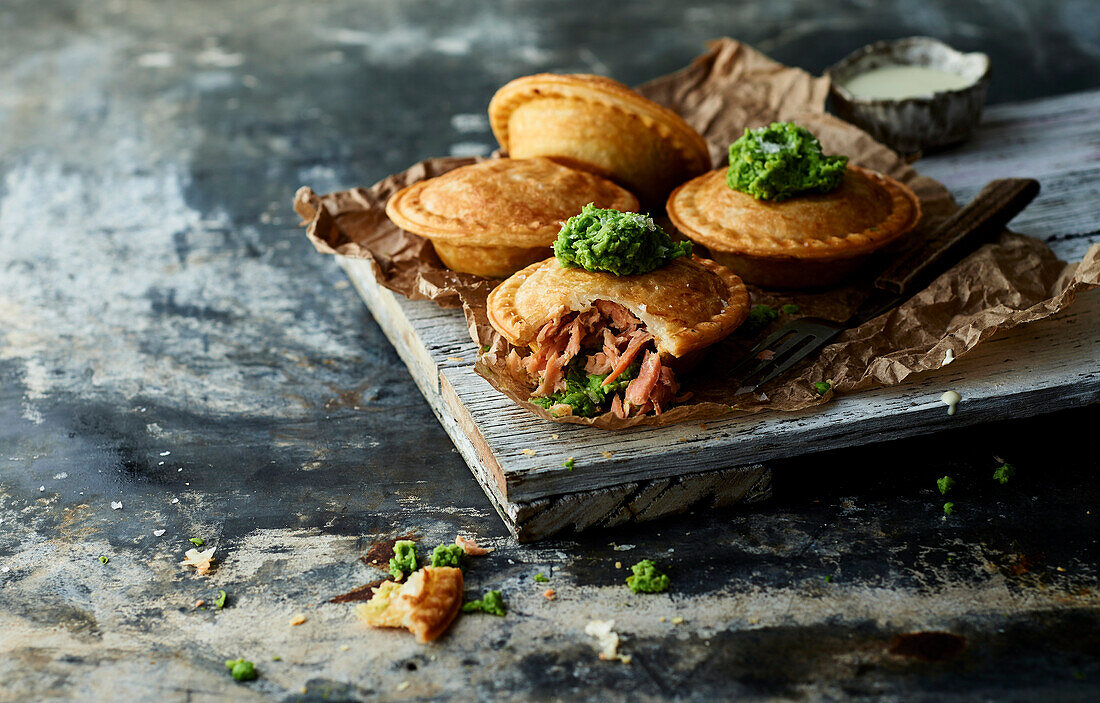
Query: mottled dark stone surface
pixel 170 341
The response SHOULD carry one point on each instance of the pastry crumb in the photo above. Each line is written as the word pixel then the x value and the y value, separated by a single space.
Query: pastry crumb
pixel 425 604
pixel 677 620
pixel 606 454
pixel 553 436
pixel 528 452
pixel 297 620
pixel 455 358
pixel 202 561
pixel 550 594
pixel 607 640
pixel 199 603
pixel 471 547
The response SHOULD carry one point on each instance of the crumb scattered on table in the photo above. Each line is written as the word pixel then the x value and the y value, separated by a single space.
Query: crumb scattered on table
pixel 471 547
pixel 202 561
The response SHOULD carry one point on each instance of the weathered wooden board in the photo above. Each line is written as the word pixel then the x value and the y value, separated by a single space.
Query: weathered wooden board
pixel 643 473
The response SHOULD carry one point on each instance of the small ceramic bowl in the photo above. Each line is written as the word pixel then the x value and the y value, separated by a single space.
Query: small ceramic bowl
pixel 916 124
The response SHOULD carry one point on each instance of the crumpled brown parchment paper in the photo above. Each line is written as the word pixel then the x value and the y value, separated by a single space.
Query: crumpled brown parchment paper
pixel 1011 282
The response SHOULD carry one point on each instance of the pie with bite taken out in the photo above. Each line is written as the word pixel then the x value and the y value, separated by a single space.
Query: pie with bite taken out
pixel 599 125
pixel 809 241
pixel 623 336
pixel 495 217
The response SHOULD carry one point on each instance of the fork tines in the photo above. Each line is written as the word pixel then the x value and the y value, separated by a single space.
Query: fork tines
pixel 787 346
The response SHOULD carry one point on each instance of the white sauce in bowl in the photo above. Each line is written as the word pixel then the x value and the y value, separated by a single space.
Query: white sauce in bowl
pixel 900 82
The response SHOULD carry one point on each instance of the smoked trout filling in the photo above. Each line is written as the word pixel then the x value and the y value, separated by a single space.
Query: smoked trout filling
pixel 597 360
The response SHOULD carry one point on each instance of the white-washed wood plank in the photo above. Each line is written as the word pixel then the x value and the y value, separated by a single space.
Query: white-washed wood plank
pixel 1039 368
pixel 416 334
pixel 1043 367
pixel 1055 140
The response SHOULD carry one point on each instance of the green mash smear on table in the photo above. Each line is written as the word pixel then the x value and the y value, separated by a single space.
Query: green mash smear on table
pixel 585 392
pixel 492 603
pixel 646 578
pixel 781 161
pixel 447 555
pixel 404 559
pixel 622 243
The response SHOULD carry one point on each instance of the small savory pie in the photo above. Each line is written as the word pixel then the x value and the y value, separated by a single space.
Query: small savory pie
pixel 599 125
pixel 594 341
pixel 425 605
pixel 495 217
pixel 808 241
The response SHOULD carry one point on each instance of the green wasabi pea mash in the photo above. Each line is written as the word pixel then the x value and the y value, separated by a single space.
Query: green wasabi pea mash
pixel 647 579
pixel 781 161
pixel 447 555
pixel 492 603
pixel 621 243
pixel 242 669
pixel 760 316
pixel 945 484
pixel 1004 473
pixel 404 559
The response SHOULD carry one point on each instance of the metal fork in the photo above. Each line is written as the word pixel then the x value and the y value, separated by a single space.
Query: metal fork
pixel 913 268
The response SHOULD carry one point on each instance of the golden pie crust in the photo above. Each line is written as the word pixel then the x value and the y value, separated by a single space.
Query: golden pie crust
pixel 495 217
pixel 805 242
pixel 686 305
pixel 599 125
pixel 425 605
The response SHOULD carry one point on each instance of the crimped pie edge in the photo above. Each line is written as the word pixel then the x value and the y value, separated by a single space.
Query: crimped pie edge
pixel 511 323
pixel 602 91
pixel 905 214
pixel 404 210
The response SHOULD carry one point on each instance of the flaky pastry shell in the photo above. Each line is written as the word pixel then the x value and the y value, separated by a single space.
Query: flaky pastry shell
pixel 805 242
pixel 495 217
pixel 425 605
pixel 686 305
pixel 600 125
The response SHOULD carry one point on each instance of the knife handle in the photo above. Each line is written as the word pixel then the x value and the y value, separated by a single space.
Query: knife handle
pixel 977 223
